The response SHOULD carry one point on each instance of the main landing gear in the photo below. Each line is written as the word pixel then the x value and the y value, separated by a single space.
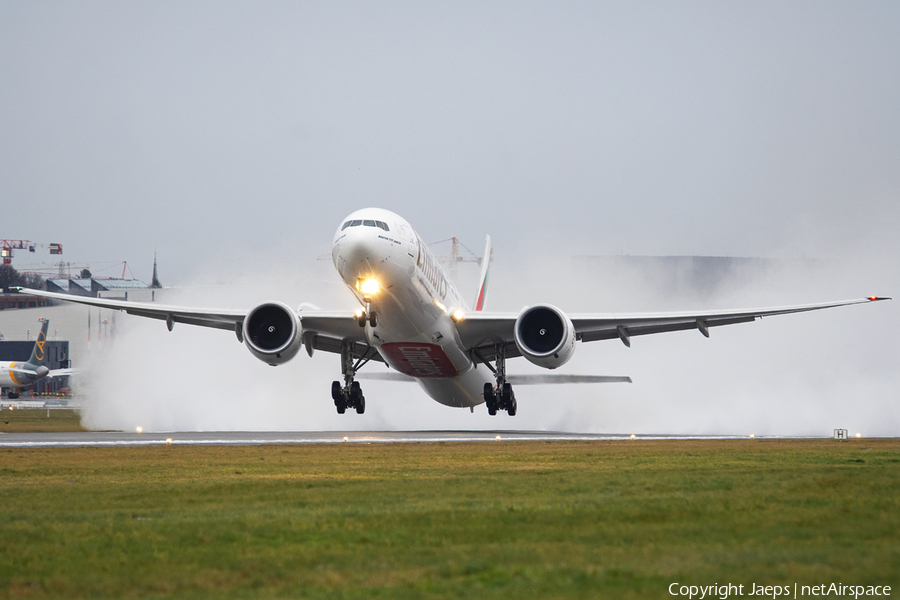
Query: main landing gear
pixel 349 397
pixel 350 394
pixel 502 396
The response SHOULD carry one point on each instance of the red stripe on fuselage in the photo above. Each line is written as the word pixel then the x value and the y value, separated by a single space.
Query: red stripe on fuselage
pixel 419 360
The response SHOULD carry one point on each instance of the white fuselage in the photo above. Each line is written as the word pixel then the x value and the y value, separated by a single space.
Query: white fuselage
pixel 7 378
pixel 12 375
pixel 415 305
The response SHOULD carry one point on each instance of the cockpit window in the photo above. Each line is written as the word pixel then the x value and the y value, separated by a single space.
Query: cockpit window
pixel 366 223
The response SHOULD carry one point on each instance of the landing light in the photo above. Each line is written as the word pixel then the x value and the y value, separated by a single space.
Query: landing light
pixel 139 429
pixel 632 436
pixel 458 315
pixel 369 287
pixel 858 435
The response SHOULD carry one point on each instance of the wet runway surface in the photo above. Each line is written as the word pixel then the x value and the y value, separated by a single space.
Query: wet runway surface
pixel 251 438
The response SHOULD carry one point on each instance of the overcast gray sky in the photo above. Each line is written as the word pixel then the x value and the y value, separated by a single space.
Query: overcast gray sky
pixel 210 130
pixel 236 135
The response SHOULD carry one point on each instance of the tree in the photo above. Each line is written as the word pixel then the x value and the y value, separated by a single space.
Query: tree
pixel 9 277
pixel 85 274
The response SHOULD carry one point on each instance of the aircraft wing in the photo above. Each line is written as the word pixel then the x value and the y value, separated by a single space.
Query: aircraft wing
pixel 219 319
pixel 483 332
pixel 322 330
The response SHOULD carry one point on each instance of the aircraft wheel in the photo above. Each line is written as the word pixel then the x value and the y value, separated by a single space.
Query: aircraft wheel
pixel 512 408
pixel 361 406
pixel 356 395
pixel 372 320
pixel 341 408
pixel 489 399
pixel 337 394
pixel 506 395
pixel 361 319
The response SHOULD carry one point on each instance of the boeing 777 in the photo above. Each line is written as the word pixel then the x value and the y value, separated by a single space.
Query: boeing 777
pixel 413 318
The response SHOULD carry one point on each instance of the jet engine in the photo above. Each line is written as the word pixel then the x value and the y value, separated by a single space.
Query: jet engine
pixel 545 336
pixel 272 333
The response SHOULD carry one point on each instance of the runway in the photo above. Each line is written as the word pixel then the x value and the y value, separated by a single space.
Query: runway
pixel 256 438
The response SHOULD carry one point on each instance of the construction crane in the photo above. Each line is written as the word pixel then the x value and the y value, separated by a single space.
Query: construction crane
pixel 61 270
pixel 454 259
pixel 8 248
pixel 70 270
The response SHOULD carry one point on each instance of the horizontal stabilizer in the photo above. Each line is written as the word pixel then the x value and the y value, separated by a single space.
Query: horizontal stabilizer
pixel 548 378
pixel 558 378
pixel 31 372
pixel 390 376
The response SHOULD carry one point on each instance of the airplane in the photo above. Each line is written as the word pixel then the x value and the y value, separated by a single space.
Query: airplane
pixel 16 374
pixel 413 318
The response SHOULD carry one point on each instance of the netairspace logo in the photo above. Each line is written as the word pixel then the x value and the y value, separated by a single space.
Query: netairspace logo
pixel 777 591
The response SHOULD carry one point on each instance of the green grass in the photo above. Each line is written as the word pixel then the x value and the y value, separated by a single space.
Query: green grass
pixel 490 520
pixel 34 420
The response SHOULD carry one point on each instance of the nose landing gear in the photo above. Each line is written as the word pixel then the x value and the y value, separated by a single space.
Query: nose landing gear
pixel 366 315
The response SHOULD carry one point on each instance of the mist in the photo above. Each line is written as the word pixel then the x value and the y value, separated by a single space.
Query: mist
pixel 790 375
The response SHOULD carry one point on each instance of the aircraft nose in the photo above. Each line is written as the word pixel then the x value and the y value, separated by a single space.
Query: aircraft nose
pixel 358 243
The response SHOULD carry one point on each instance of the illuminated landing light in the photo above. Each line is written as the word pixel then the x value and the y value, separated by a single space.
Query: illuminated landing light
pixel 751 436
pixel 168 441
pixel 358 313
pixel 498 438
pixel 346 439
pixel 633 436
pixel 858 435
pixel 138 429
pixel 369 287
pixel 458 316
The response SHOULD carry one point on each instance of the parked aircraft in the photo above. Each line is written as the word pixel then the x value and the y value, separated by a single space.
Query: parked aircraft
pixel 20 375
pixel 413 318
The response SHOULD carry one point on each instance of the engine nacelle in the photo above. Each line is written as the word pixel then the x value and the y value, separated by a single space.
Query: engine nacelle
pixel 272 333
pixel 545 336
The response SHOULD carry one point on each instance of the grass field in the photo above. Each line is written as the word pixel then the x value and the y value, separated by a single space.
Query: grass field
pixel 489 520
pixel 38 420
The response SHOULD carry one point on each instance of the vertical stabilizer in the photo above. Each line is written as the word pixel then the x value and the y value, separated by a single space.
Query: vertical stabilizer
pixel 37 354
pixel 485 269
